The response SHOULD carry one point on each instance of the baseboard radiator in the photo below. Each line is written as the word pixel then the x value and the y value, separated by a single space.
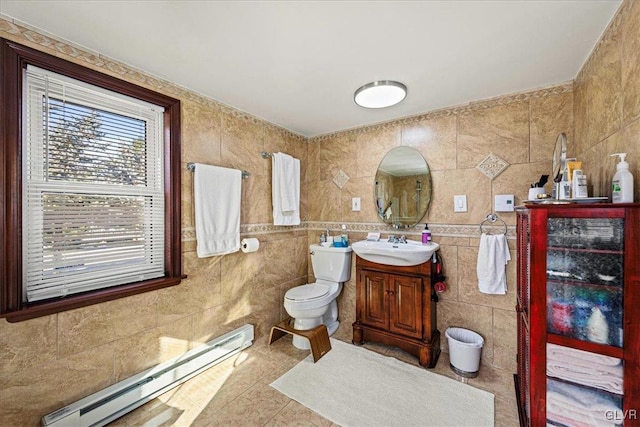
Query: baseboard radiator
pixel 114 401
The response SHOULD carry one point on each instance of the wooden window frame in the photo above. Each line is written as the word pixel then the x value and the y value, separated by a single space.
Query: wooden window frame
pixel 14 58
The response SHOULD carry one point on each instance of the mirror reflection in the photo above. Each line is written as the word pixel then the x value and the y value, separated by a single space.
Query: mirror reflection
pixel 402 189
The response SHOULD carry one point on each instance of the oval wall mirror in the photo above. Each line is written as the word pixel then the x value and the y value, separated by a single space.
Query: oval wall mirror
pixel 402 187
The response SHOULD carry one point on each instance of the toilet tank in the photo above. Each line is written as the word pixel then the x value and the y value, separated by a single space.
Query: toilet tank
pixel 330 263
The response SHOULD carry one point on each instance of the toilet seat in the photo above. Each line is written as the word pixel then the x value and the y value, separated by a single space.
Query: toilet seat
pixel 306 292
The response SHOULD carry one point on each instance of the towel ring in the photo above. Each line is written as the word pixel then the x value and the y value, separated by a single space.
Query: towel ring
pixel 493 218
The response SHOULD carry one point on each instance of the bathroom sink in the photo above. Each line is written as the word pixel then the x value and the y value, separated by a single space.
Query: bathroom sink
pixel 399 254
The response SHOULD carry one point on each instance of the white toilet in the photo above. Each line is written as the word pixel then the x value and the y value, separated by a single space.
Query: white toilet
pixel 313 304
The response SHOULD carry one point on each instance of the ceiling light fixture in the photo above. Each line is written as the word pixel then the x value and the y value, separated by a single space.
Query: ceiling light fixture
pixel 380 94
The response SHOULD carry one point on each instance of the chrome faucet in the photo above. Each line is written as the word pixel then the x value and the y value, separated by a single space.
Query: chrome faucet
pixel 396 239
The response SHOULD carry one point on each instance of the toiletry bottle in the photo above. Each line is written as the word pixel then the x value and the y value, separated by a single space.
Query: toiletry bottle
pixel 579 185
pixel 344 237
pixel 426 234
pixel 597 327
pixel 323 238
pixel 622 183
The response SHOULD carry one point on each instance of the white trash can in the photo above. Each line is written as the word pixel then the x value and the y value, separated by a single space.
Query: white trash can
pixel 465 347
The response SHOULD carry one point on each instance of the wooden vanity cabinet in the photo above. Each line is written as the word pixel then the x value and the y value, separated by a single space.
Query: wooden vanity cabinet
pixel 394 306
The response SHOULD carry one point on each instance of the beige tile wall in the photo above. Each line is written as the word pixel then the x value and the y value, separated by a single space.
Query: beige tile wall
pixel 520 129
pixel 51 361
pixel 607 103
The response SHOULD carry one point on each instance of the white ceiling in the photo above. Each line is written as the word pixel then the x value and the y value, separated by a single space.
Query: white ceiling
pixel 297 64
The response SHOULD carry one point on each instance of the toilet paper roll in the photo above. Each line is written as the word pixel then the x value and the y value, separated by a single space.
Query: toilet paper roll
pixel 249 245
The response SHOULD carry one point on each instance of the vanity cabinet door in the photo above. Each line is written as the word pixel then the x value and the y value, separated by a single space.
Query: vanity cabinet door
pixel 373 298
pixel 394 307
pixel 405 305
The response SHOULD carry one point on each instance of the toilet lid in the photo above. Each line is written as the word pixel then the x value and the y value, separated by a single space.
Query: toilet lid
pixel 306 292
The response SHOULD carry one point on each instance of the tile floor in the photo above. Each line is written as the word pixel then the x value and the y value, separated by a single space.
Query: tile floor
pixel 236 392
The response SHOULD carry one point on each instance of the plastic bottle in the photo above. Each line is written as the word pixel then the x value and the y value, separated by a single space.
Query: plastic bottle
pixel 426 234
pixel 597 327
pixel 323 238
pixel 622 183
pixel 579 185
pixel 344 237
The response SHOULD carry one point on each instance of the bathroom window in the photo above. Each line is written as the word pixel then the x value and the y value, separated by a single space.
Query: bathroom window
pixel 93 164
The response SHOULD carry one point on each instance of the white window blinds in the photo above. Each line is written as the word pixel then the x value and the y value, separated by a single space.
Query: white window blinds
pixel 93 202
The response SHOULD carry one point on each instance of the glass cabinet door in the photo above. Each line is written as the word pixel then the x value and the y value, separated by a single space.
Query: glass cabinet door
pixel 585 262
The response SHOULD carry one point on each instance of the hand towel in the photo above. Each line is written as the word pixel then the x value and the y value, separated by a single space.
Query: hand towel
pixel 217 194
pixel 493 256
pixel 285 194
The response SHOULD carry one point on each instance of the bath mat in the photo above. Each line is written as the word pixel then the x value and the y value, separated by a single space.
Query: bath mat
pixel 353 386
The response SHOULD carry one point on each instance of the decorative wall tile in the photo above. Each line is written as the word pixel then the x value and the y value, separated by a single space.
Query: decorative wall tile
pixel 492 166
pixel 340 179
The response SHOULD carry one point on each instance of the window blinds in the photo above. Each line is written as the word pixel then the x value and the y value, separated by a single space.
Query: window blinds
pixel 93 202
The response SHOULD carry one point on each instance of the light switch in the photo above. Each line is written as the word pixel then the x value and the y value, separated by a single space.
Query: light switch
pixel 460 203
pixel 355 203
pixel 504 203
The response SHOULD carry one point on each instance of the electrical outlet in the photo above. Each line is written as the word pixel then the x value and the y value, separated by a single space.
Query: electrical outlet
pixel 460 203
pixel 355 204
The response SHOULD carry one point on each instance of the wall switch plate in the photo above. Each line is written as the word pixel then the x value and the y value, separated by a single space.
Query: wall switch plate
pixel 504 203
pixel 460 203
pixel 355 203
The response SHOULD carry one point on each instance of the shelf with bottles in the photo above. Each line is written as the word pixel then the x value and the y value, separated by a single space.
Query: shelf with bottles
pixel 585 313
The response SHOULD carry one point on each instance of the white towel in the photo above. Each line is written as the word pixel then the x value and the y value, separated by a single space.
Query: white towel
pixel 586 368
pixel 217 194
pixel 285 195
pixel 493 255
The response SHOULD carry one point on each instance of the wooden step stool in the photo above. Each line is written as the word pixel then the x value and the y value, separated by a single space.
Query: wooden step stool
pixel 318 337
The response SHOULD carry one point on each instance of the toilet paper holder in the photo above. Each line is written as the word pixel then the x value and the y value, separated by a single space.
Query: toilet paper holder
pixel 249 245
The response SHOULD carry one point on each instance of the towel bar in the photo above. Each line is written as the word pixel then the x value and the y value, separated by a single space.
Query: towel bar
pixel 192 167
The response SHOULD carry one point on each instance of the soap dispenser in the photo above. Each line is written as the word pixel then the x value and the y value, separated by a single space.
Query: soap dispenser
pixel 426 234
pixel 622 183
